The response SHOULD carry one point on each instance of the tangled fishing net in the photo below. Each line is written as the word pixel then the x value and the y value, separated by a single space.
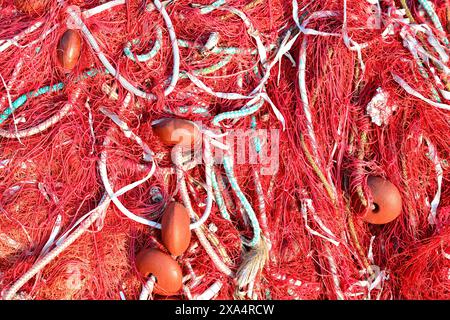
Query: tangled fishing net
pixel 229 149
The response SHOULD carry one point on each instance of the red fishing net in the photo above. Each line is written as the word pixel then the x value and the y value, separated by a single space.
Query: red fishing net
pixel 315 167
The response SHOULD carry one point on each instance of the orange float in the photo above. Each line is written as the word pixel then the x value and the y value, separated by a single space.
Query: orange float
pixel 69 49
pixel 173 131
pixel 165 269
pixel 175 231
pixel 386 203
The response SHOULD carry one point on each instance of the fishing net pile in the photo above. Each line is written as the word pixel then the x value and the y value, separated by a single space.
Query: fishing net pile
pixel 228 149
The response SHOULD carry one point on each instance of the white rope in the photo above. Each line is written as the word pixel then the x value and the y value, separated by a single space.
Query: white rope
pixel 124 82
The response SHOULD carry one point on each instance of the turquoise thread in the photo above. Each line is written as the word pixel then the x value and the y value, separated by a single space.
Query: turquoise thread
pixel 213 68
pixel 246 111
pixel 434 17
pixel 259 190
pixel 256 70
pixel 213 6
pixel 220 50
pixel 256 139
pixel 144 57
pixel 219 199
pixel 22 99
pixel 195 110
pixel 228 166
pixel 424 74
pixel 208 70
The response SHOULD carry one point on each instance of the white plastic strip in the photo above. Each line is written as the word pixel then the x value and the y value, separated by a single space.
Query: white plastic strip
pixel 7 43
pixel 147 288
pixel 416 94
pixel 439 175
pixel 113 197
pixel 305 217
pixel 209 293
pixel 103 7
pixel 53 235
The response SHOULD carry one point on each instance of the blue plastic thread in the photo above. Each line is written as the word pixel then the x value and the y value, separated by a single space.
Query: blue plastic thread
pixel 23 98
pixel 195 110
pixel 434 17
pixel 219 199
pixel 213 6
pixel 246 111
pixel 220 50
pixel 228 166
pixel 208 70
pixel 144 57
pixel 20 101
pixel 256 139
